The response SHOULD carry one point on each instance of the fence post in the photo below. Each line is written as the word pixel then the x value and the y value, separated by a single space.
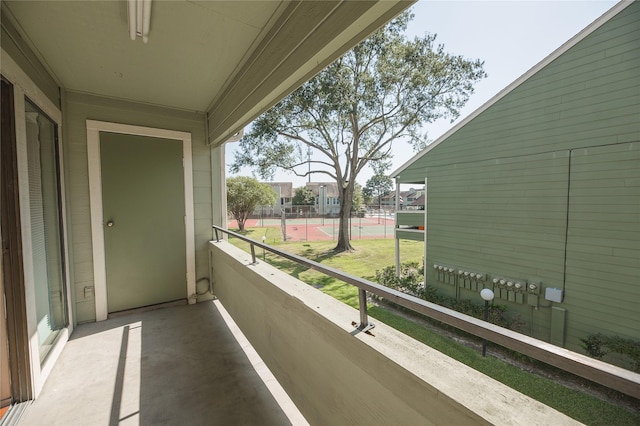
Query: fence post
pixel 284 224
pixel 365 325
pixel 385 224
pixel 253 254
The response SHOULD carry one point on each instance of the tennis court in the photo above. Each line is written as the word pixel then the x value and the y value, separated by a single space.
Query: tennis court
pixel 324 229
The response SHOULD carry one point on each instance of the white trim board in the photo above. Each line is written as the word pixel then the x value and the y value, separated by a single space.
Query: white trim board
pixel 24 87
pixel 12 72
pixel 95 195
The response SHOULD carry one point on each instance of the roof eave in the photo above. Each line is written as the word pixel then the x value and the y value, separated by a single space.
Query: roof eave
pixel 524 77
pixel 271 74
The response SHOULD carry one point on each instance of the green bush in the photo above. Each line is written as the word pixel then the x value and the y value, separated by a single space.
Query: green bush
pixel 411 282
pixel 598 345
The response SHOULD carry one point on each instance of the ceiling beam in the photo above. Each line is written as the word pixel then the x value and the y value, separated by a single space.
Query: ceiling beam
pixel 306 38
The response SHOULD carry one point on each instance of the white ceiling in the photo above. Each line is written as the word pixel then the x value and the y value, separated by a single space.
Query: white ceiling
pixel 232 59
pixel 193 47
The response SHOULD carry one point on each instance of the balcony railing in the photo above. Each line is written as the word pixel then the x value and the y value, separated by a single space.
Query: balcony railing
pixel 614 377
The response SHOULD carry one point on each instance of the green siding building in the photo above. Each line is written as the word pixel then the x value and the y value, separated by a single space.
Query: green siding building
pixel 537 194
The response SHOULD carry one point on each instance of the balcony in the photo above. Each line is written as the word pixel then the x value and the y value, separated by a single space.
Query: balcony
pixel 410 225
pixel 176 365
pixel 183 364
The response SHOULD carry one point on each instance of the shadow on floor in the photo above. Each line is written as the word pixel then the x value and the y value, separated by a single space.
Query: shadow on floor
pixel 179 365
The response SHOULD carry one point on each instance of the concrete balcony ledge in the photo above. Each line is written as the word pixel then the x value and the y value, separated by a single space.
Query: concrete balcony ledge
pixel 337 375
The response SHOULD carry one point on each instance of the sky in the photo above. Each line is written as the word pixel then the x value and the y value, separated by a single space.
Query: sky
pixel 509 36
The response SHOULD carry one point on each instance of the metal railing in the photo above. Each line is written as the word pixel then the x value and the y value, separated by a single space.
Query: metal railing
pixel 611 376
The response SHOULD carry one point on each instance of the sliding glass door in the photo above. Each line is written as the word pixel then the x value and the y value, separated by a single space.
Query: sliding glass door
pixel 46 226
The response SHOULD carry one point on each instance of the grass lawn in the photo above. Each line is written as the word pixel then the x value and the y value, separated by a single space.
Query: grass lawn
pixel 372 255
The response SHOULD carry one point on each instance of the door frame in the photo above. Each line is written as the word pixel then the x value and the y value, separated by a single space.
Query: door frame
pixel 95 195
pixel 32 372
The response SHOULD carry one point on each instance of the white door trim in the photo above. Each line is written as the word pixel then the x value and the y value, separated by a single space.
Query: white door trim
pixel 95 195
pixel 23 87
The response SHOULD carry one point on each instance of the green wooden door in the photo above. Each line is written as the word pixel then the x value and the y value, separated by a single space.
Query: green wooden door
pixel 143 208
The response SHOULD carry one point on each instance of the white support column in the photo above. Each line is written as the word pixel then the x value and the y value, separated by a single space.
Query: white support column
pixel 426 230
pixel 218 187
pixel 395 228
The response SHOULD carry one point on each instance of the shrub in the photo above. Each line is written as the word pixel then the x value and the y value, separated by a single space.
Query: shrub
pixel 598 345
pixel 411 282
pixel 497 313
pixel 594 345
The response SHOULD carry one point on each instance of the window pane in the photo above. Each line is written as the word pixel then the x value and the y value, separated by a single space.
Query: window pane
pixel 46 237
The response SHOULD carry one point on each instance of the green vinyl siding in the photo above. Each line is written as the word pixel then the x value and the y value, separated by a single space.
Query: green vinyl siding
pixel 413 235
pixel 543 186
pixel 410 218
pixel 505 218
pixel 588 96
pixel 603 247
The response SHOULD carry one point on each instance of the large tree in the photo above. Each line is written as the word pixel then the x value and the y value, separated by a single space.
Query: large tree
pixel 244 194
pixel 382 91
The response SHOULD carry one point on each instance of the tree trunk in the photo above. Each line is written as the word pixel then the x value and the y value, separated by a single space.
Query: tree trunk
pixel 241 219
pixel 344 243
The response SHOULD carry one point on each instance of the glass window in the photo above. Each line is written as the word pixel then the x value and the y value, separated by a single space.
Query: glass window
pixel 46 235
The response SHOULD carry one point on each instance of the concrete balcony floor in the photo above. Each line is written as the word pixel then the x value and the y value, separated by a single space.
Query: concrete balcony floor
pixel 178 365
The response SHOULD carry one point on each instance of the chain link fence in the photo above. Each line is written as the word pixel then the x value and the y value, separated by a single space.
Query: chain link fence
pixel 311 223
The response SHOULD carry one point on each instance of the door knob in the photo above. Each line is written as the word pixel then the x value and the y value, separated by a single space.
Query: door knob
pixel 110 224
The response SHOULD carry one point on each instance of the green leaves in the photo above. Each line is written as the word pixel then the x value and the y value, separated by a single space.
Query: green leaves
pixel 598 345
pixel 381 93
pixel 244 195
pixel 303 197
pixel 377 187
